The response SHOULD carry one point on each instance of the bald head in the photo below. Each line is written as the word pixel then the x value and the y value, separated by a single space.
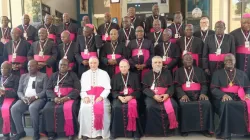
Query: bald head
pixel 63 66
pixel 107 17
pixel 187 60
pixel 25 19
pixel 66 18
pixel 4 21
pixel 65 36
pixel 32 67
pixel 114 35
pixel 157 63
pixel 48 19
pixel 6 68
pixel 42 34
pixel 16 34
pixel 219 28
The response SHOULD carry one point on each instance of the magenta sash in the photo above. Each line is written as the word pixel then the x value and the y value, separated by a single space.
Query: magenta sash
pixel 173 40
pixel 44 58
pixel 98 107
pixel 106 39
pixel 5 110
pixel 5 41
pixel 87 56
pixel 241 93
pixel 72 36
pixel 242 50
pixel 145 54
pixel 30 41
pixel 168 107
pixel 132 112
pixel 216 58
pixel 193 87
pixel 67 111
pixel 153 30
pixel 18 59
pixel 117 56
pixel 52 36
pixel 71 65
pixel 169 60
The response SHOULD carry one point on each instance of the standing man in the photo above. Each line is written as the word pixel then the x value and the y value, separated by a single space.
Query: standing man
pixel 5 35
pixel 191 44
pixel 242 44
pixel 126 33
pixel 86 45
pixel 161 109
pixel 94 114
pixel 85 20
pixel 134 21
pixel 68 50
pixel 140 53
pixel 16 51
pixel 112 53
pixel 231 99
pixel 44 52
pixel 156 36
pixel 125 92
pixel 72 28
pixel 50 28
pixel 29 32
pixel 8 97
pixel 60 112
pixel 169 52
pixel 191 91
pixel 204 31
pixel 216 47
pixel 177 27
pixel 31 93
pixel 105 28
pixel 155 15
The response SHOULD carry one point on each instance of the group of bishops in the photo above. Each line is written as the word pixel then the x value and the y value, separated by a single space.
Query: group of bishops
pixel 143 78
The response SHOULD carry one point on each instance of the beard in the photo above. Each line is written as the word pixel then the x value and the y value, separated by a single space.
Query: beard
pixel 204 28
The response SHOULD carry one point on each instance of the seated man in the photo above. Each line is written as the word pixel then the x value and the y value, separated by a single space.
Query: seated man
pixel 94 114
pixel 31 93
pixel 8 96
pixel 161 109
pixel 60 112
pixel 230 90
pixel 191 88
pixel 125 91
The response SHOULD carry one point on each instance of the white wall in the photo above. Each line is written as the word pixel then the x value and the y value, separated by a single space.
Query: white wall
pixel 63 6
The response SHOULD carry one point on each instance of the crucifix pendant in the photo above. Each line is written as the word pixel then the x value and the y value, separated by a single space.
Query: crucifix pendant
pixel 231 84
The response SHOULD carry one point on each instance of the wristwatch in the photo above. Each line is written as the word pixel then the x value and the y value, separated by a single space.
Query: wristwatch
pixel 36 97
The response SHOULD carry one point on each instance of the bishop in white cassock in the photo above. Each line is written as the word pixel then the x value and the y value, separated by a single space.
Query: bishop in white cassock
pixel 94 115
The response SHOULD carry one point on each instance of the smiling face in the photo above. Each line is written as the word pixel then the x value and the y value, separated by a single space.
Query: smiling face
pixel 42 34
pixel 107 18
pixel 66 18
pixel 157 64
pixel 93 63
pixel 32 66
pixel 5 68
pixel 15 34
pixel 178 17
pixel 166 35
pixel 4 21
pixel 229 61
pixel 219 28
pixel 26 19
pixel 245 24
pixel 189 30
pixel 157 25
pixel 204 24
pixel 124 67
pixel 114 35
pixel 155 10
pixel 187 60
pixel 139 32
pixel 48 19
pixel 63 66
pixel 65 37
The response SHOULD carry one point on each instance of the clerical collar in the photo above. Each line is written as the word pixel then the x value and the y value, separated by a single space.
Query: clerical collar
pixel 67 23
pixel 16 41
pixel 26 24
pixel 188 38
pixel 139 39
pixel 229 69
pixel 156 16
pixel 166 42
pixel 188 68
pixel 107 23
pixel 42 40
pixel 127 28
pixel 114 42
pixel 157 32
pixel 94 71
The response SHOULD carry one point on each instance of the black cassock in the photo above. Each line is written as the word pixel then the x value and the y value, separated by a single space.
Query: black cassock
pixel 120 110
pixel 171 52
pixel 135 57
pixel 203 35
pixel 105 28
pixel 5 34
pixel 126 35
pixel 155 37
pixel 233 115
pixel 6 101
pixel 54 114
pixel 31 33
pixel 195 48
pixel 242 52
pixel 1 52
pixel 150 20
pixel 21 55
pixel 201 118
pixel 212 61
pixel 70 49
pixel 71 27
pixel 49 55
pixel 135 22
pixel 106 53
pixel 178 30
pixel 158 121
pixel 84 43
pixel 51 29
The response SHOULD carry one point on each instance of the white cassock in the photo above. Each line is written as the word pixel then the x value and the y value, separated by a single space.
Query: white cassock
pixel 86 115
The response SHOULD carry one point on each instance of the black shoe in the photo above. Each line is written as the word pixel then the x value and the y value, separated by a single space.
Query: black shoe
pixel 6 138
pixel 206 134
pixel 111 138
pixel 84 138
pixel 51 138
pixel 99 137
pixel 36 137
pixel 184 134
pixel 19 136
pixel 135 138
pixel 71 138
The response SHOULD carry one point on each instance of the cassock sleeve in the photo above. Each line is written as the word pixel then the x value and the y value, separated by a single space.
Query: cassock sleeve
pixel 123 54
pixel 74 94
pixel 106 90
pixel 175 57
pixel 78 55
pixel 13 92
pixel 42 94
pixel 169 82
pixel 98 41
pixel 99 30
pixel 215 86
pixel 52 60
pixel 205 55
pixel 115 87
pixel 203 83
pixel 103 55
pixel 50 88
pixel 178 85
pixel 232 45
pixel 136 86
pixel 147 25
pixel 146 84
pixel 30 54
pixel 151 53
pixel 129 55
pixel 200 49
pixel 5 52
